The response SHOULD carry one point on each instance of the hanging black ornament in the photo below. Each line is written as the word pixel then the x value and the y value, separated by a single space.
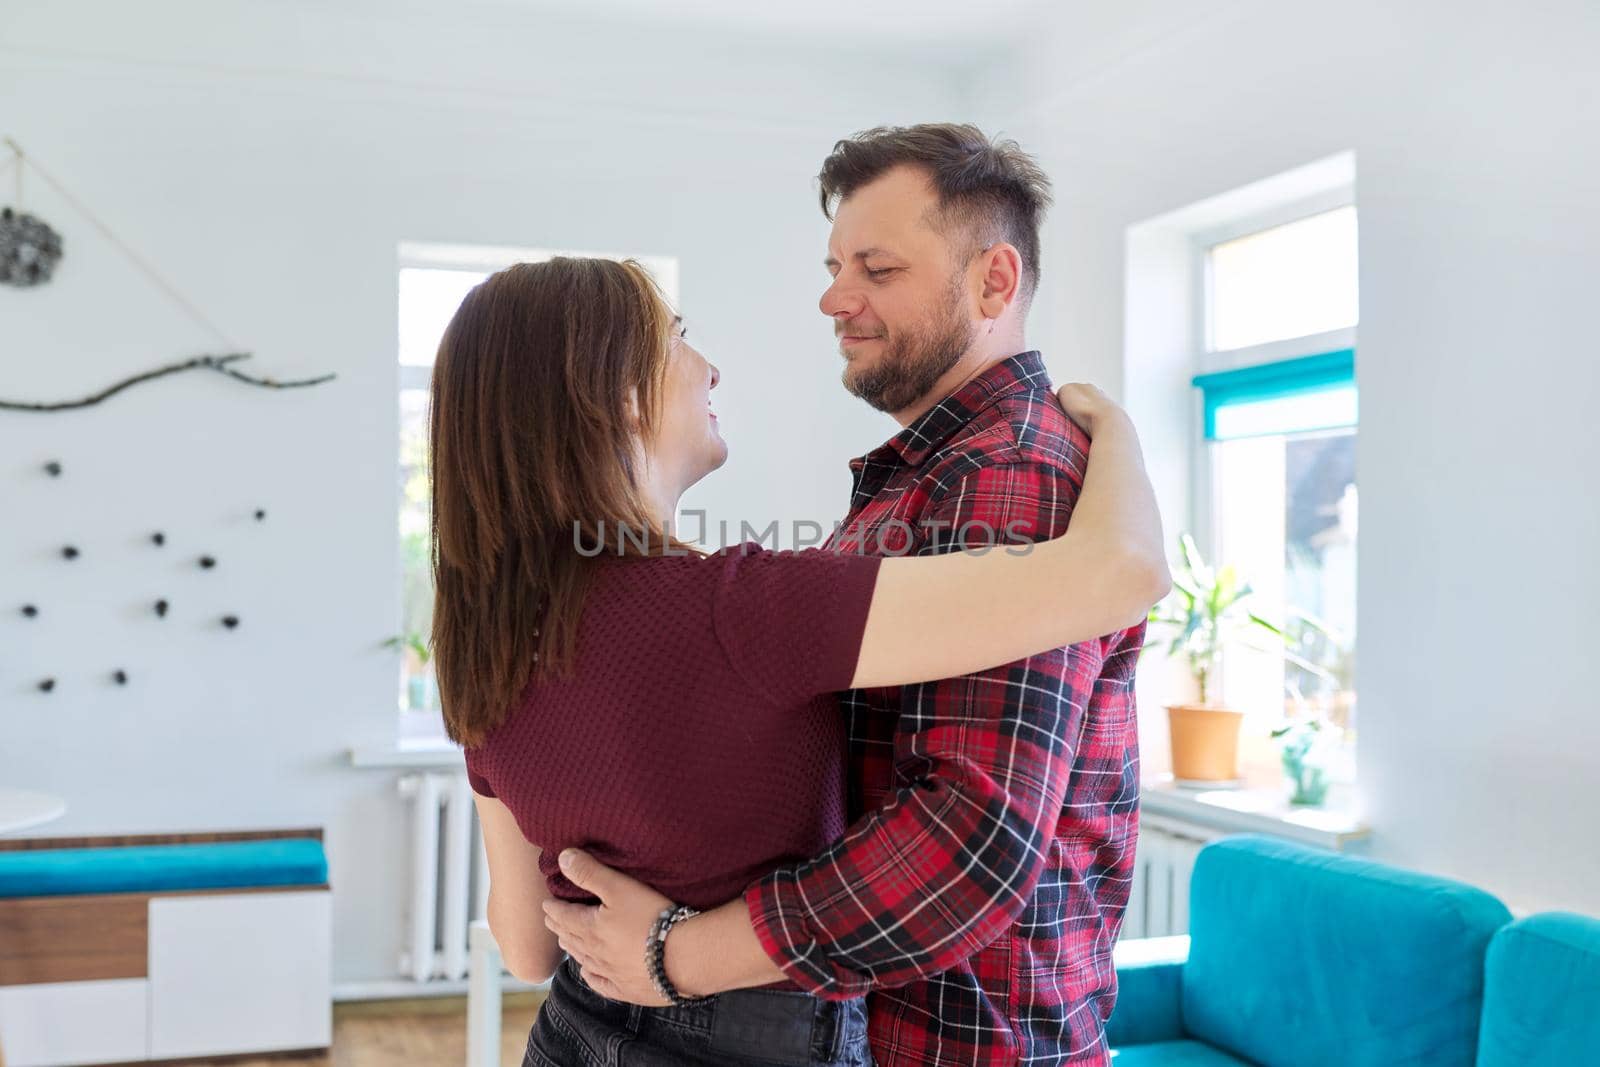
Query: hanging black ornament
pixel 53 469
pixel 29 249
pixel 29 610
pixel 161 608
pixel 121 676
pixel 159 538
pixel 207 562
pixel 48 684
pixel 230 621
pixel 69 552
pixel 260 514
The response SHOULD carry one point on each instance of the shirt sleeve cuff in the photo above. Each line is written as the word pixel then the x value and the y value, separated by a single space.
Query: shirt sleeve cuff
pixel 777 914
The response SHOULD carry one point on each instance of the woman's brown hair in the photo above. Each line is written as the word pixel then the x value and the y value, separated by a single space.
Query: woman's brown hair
pixel 533 450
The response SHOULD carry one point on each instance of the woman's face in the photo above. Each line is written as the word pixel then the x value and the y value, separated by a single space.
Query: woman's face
pixel 688 446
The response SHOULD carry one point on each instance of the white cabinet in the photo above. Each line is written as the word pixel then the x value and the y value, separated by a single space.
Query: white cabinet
pixel 239 971
pixel 63 1024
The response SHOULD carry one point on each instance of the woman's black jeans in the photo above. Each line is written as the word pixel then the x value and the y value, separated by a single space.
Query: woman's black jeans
pixel 578 1027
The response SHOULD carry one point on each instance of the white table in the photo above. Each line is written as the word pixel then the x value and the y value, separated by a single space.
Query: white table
pixel 23 809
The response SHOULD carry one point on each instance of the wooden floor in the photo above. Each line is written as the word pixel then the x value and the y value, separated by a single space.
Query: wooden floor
pixel 428 1032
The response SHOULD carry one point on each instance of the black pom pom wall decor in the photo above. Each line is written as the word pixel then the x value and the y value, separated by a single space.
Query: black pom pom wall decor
pixel 53 469
pixel 29 249
pixel 121 676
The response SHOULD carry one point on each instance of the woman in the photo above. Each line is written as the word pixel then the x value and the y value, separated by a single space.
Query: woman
pixel 597 670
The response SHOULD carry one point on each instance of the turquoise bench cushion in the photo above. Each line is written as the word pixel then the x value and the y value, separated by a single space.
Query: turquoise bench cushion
pixel 1306 957
pixel 1541 1001
pixel 1173 1054
pixel 159 868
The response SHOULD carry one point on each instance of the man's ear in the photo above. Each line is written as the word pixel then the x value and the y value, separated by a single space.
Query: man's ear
pixel 1001 278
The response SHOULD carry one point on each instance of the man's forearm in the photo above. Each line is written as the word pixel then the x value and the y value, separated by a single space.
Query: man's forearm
pixel 717 951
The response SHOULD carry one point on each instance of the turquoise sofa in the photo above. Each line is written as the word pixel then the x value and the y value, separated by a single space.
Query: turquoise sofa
pixel 1301 957
pixel 1541 1001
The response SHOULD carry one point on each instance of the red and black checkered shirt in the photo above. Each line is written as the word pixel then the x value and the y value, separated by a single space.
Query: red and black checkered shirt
pixel 978 892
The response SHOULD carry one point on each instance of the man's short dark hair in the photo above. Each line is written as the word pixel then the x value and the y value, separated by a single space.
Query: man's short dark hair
pixel 991 190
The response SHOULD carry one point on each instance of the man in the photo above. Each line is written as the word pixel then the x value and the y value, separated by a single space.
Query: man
pixel 977 895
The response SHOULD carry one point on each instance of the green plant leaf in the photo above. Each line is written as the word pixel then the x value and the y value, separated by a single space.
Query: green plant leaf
pixel 1193 562
pixel 1265 624
pixel 1222 592
pixel 1185 589
pixel 414 641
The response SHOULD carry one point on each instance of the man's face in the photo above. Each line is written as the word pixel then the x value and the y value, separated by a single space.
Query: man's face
pixel 899 298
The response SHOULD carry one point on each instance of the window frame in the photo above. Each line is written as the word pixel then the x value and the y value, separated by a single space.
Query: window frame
pixel 1204 476
pixel 1209 359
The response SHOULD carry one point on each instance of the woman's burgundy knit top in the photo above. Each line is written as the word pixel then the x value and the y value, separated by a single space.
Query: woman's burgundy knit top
pixel 697 744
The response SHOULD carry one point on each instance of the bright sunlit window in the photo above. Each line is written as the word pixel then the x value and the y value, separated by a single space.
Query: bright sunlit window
pixel 1288 281
pixel 433 279
pixel 1286 518
pixel 1281 416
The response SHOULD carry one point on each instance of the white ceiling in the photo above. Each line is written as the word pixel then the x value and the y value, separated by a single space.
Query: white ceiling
pixel 855 25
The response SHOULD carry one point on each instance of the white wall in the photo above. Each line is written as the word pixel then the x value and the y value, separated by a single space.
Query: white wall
pixel 269 158
pixel 1478 148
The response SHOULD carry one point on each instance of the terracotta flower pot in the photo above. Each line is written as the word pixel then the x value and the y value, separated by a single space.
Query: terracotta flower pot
pixel 1205 742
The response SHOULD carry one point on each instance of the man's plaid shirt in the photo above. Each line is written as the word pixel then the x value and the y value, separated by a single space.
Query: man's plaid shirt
pixel 979 890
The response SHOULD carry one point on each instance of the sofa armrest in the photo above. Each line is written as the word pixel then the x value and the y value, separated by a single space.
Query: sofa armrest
pixel 1149 991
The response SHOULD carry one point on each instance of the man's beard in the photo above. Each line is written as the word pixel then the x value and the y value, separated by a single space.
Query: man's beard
pixel 913 363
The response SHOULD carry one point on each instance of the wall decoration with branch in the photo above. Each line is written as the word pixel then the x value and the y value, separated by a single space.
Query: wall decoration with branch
pixel 29 252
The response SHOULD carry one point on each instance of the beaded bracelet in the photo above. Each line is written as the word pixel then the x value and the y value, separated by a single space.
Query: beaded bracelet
pixel 655 953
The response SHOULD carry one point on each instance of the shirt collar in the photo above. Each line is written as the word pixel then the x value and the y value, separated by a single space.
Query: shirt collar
pixel 916 442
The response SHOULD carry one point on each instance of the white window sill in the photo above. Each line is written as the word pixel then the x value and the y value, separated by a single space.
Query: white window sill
pixel 1263 811
pixel 408 754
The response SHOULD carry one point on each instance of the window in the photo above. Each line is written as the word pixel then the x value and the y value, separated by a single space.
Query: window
pixel 432 281
pixel 1279 493
pixel 1281 439
pixel 1287 281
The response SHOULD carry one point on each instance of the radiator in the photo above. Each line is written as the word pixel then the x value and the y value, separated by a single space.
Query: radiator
pixel 1158 904
pixel 449 876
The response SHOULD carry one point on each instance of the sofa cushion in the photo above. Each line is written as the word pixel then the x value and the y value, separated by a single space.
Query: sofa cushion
pixel 1149 1006
pixel 1541 1001
pixel 1305 957
pixel 157 868
pixel 1173 1054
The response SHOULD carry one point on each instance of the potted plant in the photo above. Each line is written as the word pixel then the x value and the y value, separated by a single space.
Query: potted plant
pixel 1207 611
pixel 1321 694
pixel 1303 746
pixel 420 686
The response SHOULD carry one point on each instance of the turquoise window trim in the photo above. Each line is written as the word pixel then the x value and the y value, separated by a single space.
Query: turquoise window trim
pixel 1272 381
